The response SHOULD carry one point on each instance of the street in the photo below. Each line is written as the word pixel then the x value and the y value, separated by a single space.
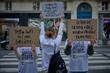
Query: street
pixel 46 23
pixel 105 51
pixel 98 63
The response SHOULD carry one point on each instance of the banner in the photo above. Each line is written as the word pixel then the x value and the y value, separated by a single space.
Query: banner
pixel 82 29
pixel 106 21
pixel 24 36
pixel 52 9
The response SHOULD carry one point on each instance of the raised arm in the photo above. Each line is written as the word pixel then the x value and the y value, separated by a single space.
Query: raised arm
pixel 59 35
pixel 42 32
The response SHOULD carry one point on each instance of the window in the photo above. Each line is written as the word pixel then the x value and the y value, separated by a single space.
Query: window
pixel 65 5
pixel 104 5
pixel 36 5
pixel 84 11
pixel 8 5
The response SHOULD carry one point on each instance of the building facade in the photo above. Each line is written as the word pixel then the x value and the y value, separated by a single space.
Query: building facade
pixel 74 9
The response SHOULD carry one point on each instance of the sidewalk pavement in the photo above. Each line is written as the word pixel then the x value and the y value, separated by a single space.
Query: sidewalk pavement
pixel 105 50
pixel 107 54
pixel 4 52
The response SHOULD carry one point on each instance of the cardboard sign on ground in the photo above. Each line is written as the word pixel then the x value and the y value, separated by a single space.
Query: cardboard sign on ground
pixel 24 36
pixel 82 29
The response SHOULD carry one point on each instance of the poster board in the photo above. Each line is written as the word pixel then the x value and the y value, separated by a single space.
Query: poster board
pixel 82 29
pixel 52 9
pixel 24 36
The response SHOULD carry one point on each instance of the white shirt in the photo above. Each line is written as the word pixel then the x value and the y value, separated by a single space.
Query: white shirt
pixel 50 44
pixel 78 60
pixel 26 54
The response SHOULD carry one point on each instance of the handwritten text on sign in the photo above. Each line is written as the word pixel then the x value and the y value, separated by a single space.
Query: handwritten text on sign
pixel 82 29
pixel 24 36
pixel 52 9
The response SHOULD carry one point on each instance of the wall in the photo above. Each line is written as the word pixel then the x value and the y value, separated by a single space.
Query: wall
pixel 109 6
pixel 2 6
pixel 22 6
pixel 69 6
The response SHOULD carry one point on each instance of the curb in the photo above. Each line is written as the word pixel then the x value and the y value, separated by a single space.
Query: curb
pixel 104 54
pixel 102 46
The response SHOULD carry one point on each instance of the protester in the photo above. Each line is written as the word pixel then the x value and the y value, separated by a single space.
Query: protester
pixel 49 43
pixel 107 30
pixel 78 52
pixel 26 58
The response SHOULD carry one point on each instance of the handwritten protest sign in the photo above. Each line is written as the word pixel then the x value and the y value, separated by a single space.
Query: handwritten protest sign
pixel 52 9
pixel 24 36
pixel 82 29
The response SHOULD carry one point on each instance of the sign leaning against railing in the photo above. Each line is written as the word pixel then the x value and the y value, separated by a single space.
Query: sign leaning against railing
pixel 52 9
pixel 82 29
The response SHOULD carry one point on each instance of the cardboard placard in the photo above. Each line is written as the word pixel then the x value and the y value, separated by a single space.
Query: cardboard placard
pixel 24 36
pixel 82 29
pixel 52 9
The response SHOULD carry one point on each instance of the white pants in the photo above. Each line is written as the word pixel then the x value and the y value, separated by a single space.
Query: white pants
pixel 45 60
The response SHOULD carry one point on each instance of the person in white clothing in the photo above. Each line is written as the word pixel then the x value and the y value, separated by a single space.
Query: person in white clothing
pixel 26 58
pixel 78 56
pixel 49 43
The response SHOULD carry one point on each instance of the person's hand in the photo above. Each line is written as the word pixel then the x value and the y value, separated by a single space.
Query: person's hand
pixel 33 50
pixel 69 41
pixel 33 47
pixel 14 47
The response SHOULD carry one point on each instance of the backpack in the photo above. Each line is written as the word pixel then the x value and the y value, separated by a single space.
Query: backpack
pixel 57 64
